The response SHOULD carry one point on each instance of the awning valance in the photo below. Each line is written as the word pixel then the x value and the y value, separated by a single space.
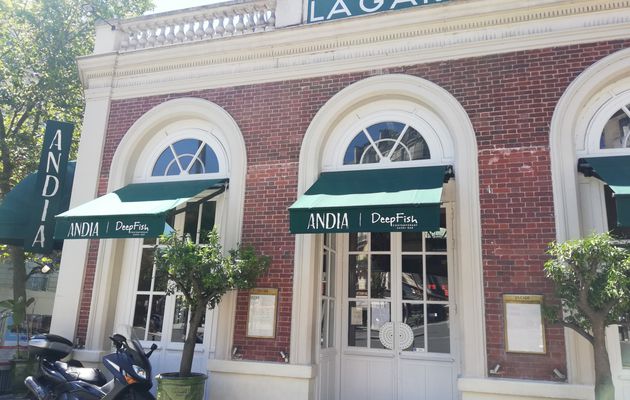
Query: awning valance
pixel 615 171
pixel 16 208
pixel 380 200
pixel 136 210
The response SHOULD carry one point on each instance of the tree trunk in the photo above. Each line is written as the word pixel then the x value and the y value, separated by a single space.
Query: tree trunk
pixel 19 272
pixel 16 255
pixel 604 389
pixel 185 367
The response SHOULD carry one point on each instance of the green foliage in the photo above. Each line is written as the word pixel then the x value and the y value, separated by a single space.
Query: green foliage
pixel 591 276
pixel 39 43
pixel 18 310
pixel 203 274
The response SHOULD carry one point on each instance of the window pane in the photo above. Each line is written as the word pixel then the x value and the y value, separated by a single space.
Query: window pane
pixel 412 241
pixel 180 321
pixel 209 160
pixel 356 149
pixel 157 318
pixel 201 330
pixel 161 281
pixel 380 314
pixel 413 315
pixel 437 278
pixel 385 130
pixel 146 270
pixel 624 336
pixel 331 323
pixel 413 147
pixel 185 150
pixel 380 241
pixel 412 281
pixel 208 211
pixel 331 275
pixel 437 328
pixel 381 277
pixel 357 324
pixel 616 132
pixel 325 274
pixel 191 220
pixel 173 169
pixel 357 276
pixel 141 311
pixel 322 331
pixel 162 163
pixel 358 241
pixel 436 241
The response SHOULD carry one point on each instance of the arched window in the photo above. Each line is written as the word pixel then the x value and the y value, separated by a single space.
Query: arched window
pixel 616 133
pixel 186 157
pixel 386 142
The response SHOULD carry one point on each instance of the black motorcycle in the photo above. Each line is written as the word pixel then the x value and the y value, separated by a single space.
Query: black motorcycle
pixel 57 380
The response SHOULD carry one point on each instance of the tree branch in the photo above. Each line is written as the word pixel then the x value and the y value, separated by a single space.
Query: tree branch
pixel 578 329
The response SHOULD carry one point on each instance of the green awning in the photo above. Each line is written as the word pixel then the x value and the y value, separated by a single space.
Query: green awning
pixel 615 171
pixel 136 210
pixel 380 200
pixel 16 208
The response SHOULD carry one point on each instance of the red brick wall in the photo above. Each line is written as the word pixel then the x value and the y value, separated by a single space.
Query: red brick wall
pixel 509 98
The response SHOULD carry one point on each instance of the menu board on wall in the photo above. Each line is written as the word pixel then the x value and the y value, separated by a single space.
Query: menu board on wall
pixel 524 327
pixel 261 319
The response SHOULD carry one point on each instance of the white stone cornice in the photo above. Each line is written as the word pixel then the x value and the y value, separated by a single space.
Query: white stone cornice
pixel 473 28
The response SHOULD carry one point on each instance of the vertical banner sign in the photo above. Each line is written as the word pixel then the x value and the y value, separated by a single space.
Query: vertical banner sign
pixel 50 180
pixel 326 10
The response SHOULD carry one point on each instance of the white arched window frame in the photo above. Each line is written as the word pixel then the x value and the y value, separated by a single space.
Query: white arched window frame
pixel 132 163
pixel 592 135
pixel 174 133
pixel 426 123
pixel 575 132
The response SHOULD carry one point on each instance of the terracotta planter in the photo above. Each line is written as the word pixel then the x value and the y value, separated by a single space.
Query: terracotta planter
pixel 173 387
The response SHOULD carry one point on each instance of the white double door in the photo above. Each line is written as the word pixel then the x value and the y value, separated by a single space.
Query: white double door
pixel 394 320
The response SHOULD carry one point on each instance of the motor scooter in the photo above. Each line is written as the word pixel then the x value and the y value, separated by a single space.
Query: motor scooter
pixel 57 380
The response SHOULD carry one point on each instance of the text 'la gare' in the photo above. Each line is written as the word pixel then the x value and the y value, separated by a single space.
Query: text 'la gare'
pixel 324 10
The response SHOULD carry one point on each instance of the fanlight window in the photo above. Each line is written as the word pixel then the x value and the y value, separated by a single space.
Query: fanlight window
pixel 186 157
pixel 386 142
pixel 616 133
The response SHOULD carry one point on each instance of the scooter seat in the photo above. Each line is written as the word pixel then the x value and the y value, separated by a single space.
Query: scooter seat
pixel 89 375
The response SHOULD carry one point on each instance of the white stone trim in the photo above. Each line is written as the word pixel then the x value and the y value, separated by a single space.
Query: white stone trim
pixel 474 28
pixel 262 368
pixel 204 131
pixel 467 209
pixel 423 120
pixel 85 187
pixel 244 380
pixel 504 389
pixel 591 91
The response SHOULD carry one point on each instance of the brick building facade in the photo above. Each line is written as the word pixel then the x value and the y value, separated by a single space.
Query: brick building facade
pixel 510 88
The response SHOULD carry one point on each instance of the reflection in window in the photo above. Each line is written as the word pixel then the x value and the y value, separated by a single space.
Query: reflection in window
pixel 616 132
pixel 186 157
pixel 386 142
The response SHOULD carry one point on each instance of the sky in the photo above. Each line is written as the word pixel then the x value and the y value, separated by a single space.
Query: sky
pixel 168 5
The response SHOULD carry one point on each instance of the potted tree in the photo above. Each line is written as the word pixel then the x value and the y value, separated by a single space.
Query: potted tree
pixel 202 274
pixel 592 281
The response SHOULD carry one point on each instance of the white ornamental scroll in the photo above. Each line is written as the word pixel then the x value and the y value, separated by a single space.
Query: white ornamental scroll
pixel 405 335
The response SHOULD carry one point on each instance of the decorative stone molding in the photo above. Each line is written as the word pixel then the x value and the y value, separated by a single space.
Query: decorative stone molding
pixel 200 23
pixel 474 28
